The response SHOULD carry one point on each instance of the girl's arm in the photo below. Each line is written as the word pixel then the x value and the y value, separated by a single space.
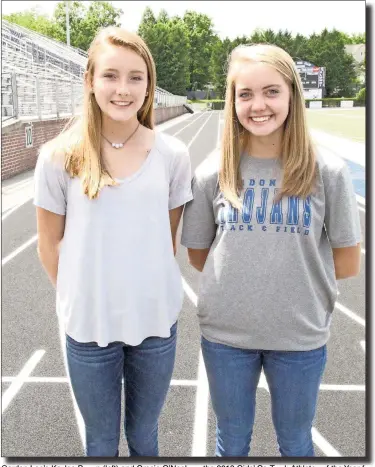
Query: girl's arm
pixel 347 261
pixel 50 228
pixel 197 258
pixel 174 219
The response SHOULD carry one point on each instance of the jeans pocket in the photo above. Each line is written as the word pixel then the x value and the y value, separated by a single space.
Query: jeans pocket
pixel 70 341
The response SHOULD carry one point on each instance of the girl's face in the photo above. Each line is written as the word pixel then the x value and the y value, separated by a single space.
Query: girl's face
pixel 262 98
pixel 119 82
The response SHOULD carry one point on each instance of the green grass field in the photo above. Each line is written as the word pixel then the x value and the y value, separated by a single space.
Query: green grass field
pixel 347 123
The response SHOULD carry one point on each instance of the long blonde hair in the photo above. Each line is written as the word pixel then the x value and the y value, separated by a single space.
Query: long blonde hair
pixel 80 140
pixel 297 152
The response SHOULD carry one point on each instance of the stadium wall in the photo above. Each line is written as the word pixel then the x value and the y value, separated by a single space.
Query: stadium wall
pixel 17 158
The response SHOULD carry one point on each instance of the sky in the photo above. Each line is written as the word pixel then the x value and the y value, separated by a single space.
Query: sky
pixel 237 18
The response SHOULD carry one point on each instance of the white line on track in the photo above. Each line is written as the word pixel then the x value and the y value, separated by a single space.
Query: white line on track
pixel 202 396
pixel 8 213
pixel 197 133
pixel 19 250
pixel 19 380
pixel 64 379
pixel 324 445
pixel 361 208
pixel 342 387
pixel 361 200
pixel 199 448
pixel 190 292
pixel 218 133
pixel 350 314
pixel 194 120
pixel 186 382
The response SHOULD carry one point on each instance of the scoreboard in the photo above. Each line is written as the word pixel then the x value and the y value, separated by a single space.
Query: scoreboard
pixel 313 79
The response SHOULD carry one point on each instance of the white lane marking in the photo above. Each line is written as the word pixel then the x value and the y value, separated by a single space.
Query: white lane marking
pixel 37 379
pixel 19 380
pixel 199 447
pixel 263 382
pixel 188 382
pixel 79 418
pixel 351 315
pixel 323 444
pixel 194 120
pixel 218 133
pixel 174 121
pixel 64 379
pixel 361 200
pixel 200 129
pixel 8 213
pixel 342 387
pixel 363 345
pixel 361 209
pixel 323 387
pixel 77 412
pixel 190 292
pixel 19 250
pixel 184 382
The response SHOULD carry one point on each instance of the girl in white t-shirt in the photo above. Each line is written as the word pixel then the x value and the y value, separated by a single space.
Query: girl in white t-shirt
pixel 109 195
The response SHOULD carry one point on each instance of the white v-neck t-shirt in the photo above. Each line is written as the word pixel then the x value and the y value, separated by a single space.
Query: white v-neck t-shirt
pixel 118 279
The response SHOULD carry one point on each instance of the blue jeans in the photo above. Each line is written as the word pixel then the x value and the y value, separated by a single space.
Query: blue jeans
pixel 293 379
pixel 96 374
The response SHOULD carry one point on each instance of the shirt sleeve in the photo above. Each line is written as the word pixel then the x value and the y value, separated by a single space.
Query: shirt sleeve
pixel 180 181
pixel 199 226
pixel 341 214
pixel 49 184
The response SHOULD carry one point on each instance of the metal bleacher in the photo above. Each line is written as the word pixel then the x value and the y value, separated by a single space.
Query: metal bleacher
pixel 43 78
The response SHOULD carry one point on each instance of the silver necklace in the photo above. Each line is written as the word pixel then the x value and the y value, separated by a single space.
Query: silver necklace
pixel 121 145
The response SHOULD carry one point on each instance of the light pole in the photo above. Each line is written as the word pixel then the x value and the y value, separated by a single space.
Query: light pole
pixel 67 23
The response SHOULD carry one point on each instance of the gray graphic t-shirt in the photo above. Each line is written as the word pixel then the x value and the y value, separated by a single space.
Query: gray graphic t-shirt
pixel 269 279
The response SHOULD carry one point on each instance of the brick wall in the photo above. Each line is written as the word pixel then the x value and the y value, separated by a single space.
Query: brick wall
pixel 16 158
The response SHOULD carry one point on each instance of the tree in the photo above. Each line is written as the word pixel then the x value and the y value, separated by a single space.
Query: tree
pixel 243 40
pixel 32 19
pixel 163 16
pixel 167 39
pixel 328 49
pixel 172 58
pixel 85 22
pixel 147 22
pixel 354 38
pixel 201 38
pixel 299 48
pixel 219 64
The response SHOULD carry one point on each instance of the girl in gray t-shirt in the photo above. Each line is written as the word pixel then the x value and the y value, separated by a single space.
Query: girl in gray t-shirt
pixel 109 195
pixel 272 226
